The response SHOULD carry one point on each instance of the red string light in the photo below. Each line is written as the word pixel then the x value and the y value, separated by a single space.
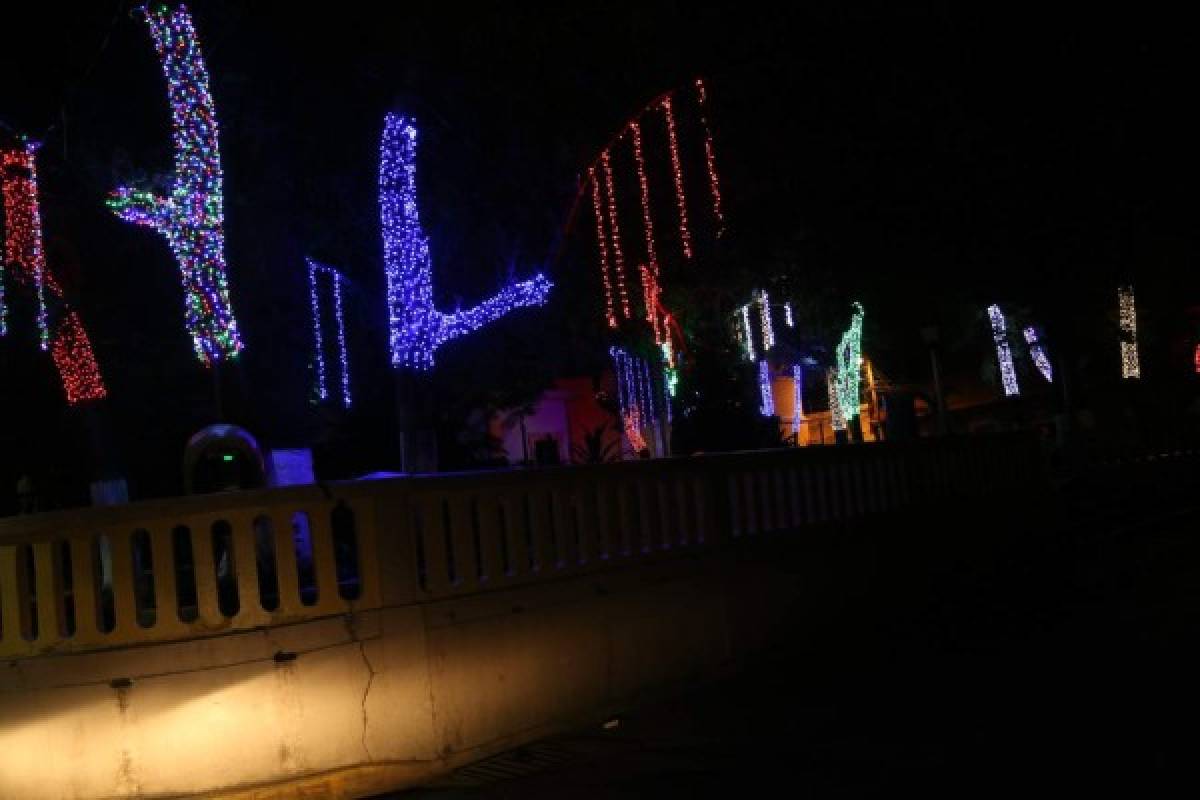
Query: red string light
pixel 602 242
pixel 23 242
pixel 614 227
pixel 69 345
pixel 72 353
pixel 710 157
pixel 649 271
pixel 685 235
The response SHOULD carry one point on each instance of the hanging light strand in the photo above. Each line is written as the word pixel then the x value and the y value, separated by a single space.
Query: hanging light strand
pixel 318 343
pixel 614 227
pixel 685 234
pixel 602 245
pixel 710 157
pixel 341 335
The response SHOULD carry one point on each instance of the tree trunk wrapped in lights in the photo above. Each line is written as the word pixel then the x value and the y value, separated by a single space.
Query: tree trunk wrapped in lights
pixel 417 328
pixel 191 216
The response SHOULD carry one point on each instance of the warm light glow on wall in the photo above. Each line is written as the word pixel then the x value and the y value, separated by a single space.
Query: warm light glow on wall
pixel 1008 375
pixel 1127 308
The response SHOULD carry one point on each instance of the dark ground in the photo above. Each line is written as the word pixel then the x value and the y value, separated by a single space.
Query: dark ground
pixel 1041 647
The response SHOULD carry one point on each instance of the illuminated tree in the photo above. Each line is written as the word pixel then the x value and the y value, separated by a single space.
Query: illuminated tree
pixel 191 216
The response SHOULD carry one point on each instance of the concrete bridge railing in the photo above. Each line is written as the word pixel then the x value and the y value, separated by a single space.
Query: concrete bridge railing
pixel 354 637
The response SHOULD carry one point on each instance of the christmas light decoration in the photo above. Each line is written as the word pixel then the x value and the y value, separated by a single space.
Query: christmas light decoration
pixel 1008 374
pixel 635 395
pixel 1130 366
pixel 766 398
pixel 603 186
pixel 1038 353
pixel 65 338
pixel 602 243
pixel 76 364
pixel 23 226
pixel 837 420
pixel 614 227
pixel 191 217
pixel 764 310
pixel 670 371
pixel 710 157
pixel 635 130
pixel 685 234
pixel 314 271
pixel 797 397
pixel 787 315
pixel 748 340
pixel 849 368
pixel 417 328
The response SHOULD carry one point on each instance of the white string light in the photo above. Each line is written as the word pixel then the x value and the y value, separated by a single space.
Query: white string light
pixel 1038 354
pixel 748 341
pixel 768 330
pixel 1008 375
pixel 1130 366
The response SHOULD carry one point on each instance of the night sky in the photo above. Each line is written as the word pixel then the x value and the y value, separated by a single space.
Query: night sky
pixel 926 162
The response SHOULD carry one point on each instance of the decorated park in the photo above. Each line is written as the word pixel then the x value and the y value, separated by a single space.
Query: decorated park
pixel 213 282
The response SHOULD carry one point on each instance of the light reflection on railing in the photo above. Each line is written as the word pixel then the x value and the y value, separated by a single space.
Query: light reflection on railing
pixel 204 565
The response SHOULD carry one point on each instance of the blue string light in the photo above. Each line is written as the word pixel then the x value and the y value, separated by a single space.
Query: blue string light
pixel 314 295
pixel 797 397
pixel 416 328
pixel 191 217
pixel 767 405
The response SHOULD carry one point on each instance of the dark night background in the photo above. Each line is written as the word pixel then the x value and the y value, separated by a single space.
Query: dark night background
pixel 923 161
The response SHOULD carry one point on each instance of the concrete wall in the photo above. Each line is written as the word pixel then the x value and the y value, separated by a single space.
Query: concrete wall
pixel 473 630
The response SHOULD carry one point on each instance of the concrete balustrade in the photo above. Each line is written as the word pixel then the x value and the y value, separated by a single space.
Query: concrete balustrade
pixel 356 637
